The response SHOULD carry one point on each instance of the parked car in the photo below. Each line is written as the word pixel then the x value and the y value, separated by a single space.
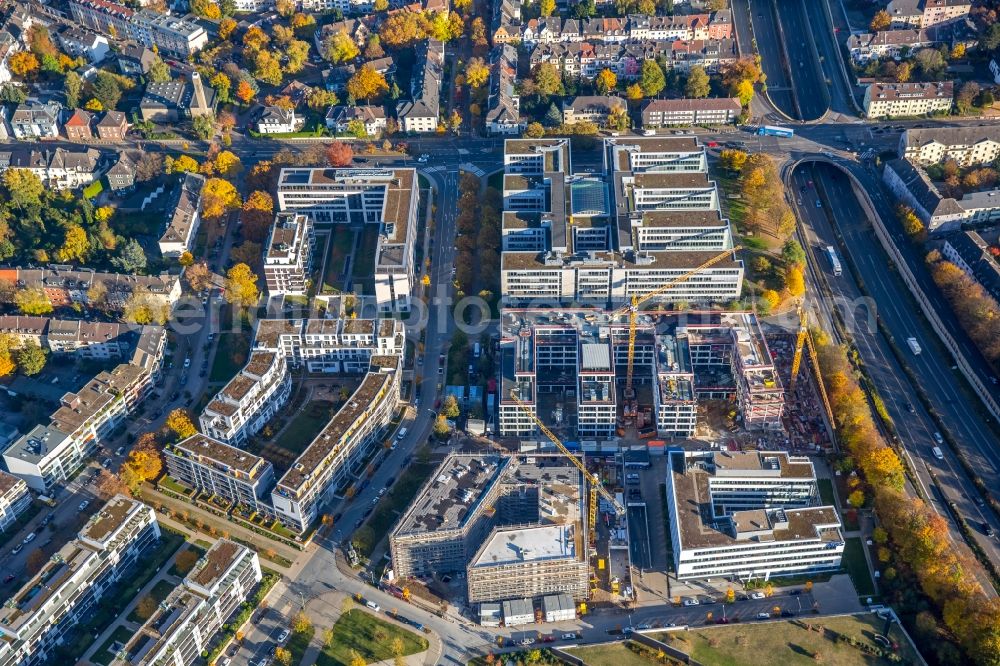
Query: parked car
pixel 30 538
pixel 120 451
pixel 691 602
pixel 763 616
pixel 83 505
pixel 756 595
pixel 17 549
pixel 283 636
pixel 9 577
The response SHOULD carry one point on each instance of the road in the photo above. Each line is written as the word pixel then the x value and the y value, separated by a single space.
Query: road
pixel 808 84
pixel 914 425
pixel 756 19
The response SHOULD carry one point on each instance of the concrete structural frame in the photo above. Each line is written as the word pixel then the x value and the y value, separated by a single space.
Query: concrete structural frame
pixel 748 515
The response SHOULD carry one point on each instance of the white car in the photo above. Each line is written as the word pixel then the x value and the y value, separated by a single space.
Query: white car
pixel 83 505
pixel 187 363
pixel 423 158
pixel 690 602
pixel 763 616
pixel 283 636
pixel 756 595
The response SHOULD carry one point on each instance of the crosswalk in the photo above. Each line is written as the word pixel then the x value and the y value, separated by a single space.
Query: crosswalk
pixel 472 168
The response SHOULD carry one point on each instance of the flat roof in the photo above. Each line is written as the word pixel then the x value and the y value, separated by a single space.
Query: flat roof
pixel 203 446
pixel 527 544
pixel 110 518
pixel 215 563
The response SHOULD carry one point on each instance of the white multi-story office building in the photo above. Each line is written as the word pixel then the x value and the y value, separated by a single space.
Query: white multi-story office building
pixel 332 460
pixel 36 618
pixel 249 400
pixel 288 256
pixel 214 467
pixel 182 627
pixel 713 111
pixel 14 499
pixel 384 197
pixel 748 514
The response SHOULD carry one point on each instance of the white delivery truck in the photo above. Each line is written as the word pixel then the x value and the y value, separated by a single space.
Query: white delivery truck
pixel 913 345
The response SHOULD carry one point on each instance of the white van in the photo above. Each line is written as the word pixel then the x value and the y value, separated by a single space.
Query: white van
pixel 937 453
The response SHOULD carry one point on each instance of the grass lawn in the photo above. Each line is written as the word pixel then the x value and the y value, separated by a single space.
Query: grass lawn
pixel 298 643
pixel 363 266
pixel 301 430
pixel 370 637
pixel 159 593
pixel 199 551
pixel 104 655
pixel 826 492
pixel 230 356
pixel 395 501
pixel 789 643
pixel 857 567
pixel 612 653
pixel 340 247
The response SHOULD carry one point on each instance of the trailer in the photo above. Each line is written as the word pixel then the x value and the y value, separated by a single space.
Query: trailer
pixel 913 345
pixel 831 252
pixel 774 130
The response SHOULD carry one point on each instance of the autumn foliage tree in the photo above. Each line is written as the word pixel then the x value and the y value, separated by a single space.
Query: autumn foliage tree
pixel 241 286
pixel 180 422
pixel 218 196
pixel 976 310
pixel 340 154
pixel 367 83
pixel 257 216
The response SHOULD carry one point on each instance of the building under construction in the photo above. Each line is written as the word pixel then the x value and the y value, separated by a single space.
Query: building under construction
pixel 568 367
pixel 513 524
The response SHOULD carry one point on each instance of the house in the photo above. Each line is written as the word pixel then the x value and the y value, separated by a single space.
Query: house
pixel 505 26
pixel 79 42
pixel 886 44
pixel 32 119
pixel 420 114
pixel 712 111
pixel 77 126
pixel 356 29
pixel 276 120
pixel 942 12
pixel 58 169
pixel 908 99
pixel 339 117
pixel 968 251
pixel 113 126
pixel 182 227
pixel 170 101
pixel 968 145
pixel 503 111
pixel 590 108
pixel 121 176
pixel 135 59
pixel 911 185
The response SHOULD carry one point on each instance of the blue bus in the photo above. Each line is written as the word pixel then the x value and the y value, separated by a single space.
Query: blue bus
pixel 772 130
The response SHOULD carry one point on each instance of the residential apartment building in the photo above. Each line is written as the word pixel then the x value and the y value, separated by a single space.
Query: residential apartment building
pixel 867 46
pixel 420 114
pixel 334 459
pixel 249 400
pixel 59 168
pixel 36 619
pixel 503 107
pixel 84 339
pixel 288 255
pixel 670 112
pixel 66 286
pixel 211 466
pixel 911 185
pixel 942 12
pixel 276 120
pixel 183 625
pixel 83 43
pixel 78 126
pixel 182 227
pixel 587 59
pixel 14 499
pixel 970 252
pixel 591 108
pixel 969 146
pixel 341 344
pixel 907 99
pixel 339 118
pixel 386 197
pixel 750 515
pixel 52 453
pixel 34 120
pixel 112 126
pixel 169 34
pixel 634 28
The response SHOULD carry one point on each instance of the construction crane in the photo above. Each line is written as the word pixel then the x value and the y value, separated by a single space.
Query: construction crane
pixel 804 338
pixel 632 310
pixel 596 487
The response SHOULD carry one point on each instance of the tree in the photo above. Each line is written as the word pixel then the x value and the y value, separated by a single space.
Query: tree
pixel 745 92
pixel 455 120
pixel 618 118
pixel 769 299
pixel 32 301
pixel 241 286
pixel 301 623
pixel 226 28
pixel 23 64
pixel 298 54
pixel 856 499
pixel 958 51
pixel 75 245
pixel 903 72
pixel 108 485
pixel 547 80
pixel 198 276
pixel 283 656
pixel 792 253
pixel 356 659
pixel 258 212
pixel 218 196
pixel 795 281
pixel 31 358
pixel 732 159
pixel 366 83
pixel 23 187
pixel 255 39
pixel 145 608
pixel 107 90
pixel 881 21
pixel 697 84
pixel 547 7
pixel 605 81
pixel 340 154
pixel 912 225
pixel 966 97
pixel 72 86
pixel 245 92
pixel 149 166
pixel 143 307
pixel 94 105
pixel 441 427
pixel 179 421
pixel 131 257
pixel 476 72
pixel 248 252
pixel 182 164
pixel 534 130
pixel 227 164
pixel 185 561
pixel 930 61
pixel 450 407
pixel 651 78
pixel 7 364
pixel 158 71
pixel 338 47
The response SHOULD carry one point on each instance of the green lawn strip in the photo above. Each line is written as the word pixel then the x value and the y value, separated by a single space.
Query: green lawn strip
pixel 364 259
pixel 230 356
pixel 618 654
pixel 826 492
pixel 387 511
pixel 104 656
pixel 370 637
pixel 856 565
pixel 298 643
pixel 304 427
pixel 175 486
pixel 340 247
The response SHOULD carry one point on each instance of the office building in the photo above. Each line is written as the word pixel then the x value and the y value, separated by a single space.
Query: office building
pixel 592 108
pixel 671 112
pixel 750 515
pixel 288 255
pixel 213 467
pixel 181 629
pixel 249 400
pixel 36 619
pixel 382 196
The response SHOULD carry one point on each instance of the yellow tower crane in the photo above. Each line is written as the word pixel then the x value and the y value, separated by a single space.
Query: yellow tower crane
pixel 632 310
pixel 596 487
pixel 805 338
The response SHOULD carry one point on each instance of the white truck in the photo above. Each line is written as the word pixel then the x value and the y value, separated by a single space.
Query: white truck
pixel 913 345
